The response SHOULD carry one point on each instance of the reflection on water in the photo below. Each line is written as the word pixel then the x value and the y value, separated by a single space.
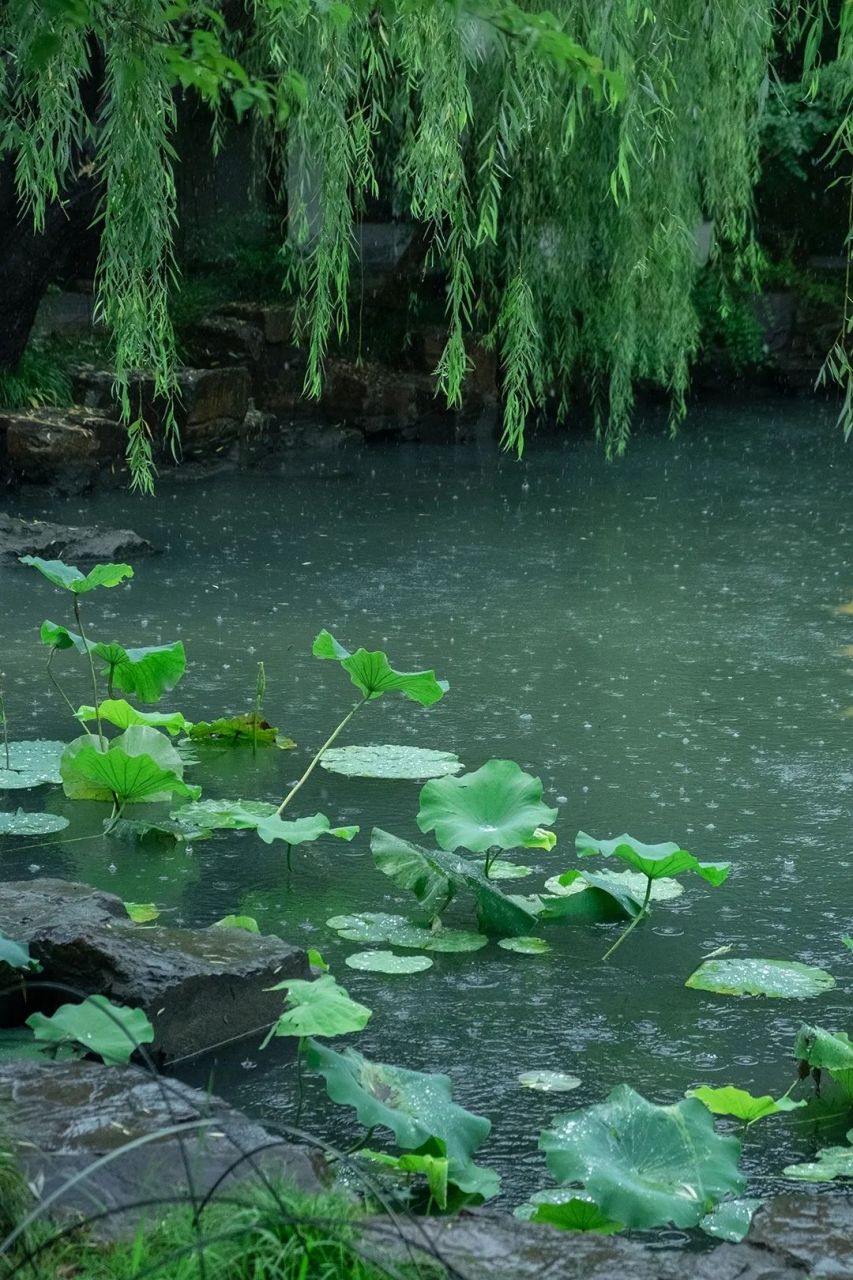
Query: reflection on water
pixel 656 638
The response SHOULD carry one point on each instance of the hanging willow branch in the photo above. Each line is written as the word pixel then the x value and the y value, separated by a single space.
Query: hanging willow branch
pixel 560 162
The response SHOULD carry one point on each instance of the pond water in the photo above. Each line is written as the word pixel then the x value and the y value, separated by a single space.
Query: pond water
pixel 655 638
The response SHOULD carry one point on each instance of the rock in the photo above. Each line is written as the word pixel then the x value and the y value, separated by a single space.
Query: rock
pixel 60 1118
pixel 483 1246
pixel 67 542
pixel 273 320
pixel 199 987
pixel 204 395
pixel 218 340
pixel 66 447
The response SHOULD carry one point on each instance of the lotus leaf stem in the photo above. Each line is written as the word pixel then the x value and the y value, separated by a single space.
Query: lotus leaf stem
pixel 5 724
pixel 300 1083
pixel 644 911
pixel 59 689
pixel 92 669
pixel 318 757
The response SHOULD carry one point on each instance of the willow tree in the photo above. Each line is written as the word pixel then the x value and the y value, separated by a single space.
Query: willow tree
pixel 559 161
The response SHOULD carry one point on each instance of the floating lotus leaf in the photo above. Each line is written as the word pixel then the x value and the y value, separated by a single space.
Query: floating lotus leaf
pixel 568 1210
pixel 120 713
pixel 147 673
pixel 372 674
pixel 378 926
pixel 142 912
pixel 224 815
pixel 248 923
pixel 831 1163
pixel 302 830
pixel 656 861
pixel 827 1051
pixel 71 579
pixel 619 882
pixel 22 823
pixel 388 962
pixel 318 1008
pixel 15 954
pixel 32 763
pixel 434 876
pixel 729 1101
pixel 95 1026
pixel 778 979
pixel 525 946
pixel 390 761
pixel 645 1165
pixel 731 1220
pixel 549 1081
pixel 141 764
pixel 415 1106
pixel 134 830
pixel 247 728
pixel 496 806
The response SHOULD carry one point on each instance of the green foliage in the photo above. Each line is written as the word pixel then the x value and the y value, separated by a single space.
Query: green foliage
pixel 147 673
pixel 831 1163
pixel 318 1008
pixel 730 1101
pixel 525 946
pixel 140 764
pixel 373 675
pixel 654 861
pixel 142 912
pixel 497 806
pixel 782 979
pixel 38 379
pixel 72 579
pixel 15 954
pixel 249 727
pixel 248 923
pixel 95 1026
pixel 390 762
pixel 645 1165
pixel 830 1051
pixel 120 713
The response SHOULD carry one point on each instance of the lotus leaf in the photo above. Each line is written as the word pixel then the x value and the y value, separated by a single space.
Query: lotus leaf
pixel 832 1162
pixel 827 1051
pixel 302 830
pixel 22 823
pixel 316 960
pixel 549 1081
pixel 372 674
pixel 731 1220
pixel 568 1210
pixel 224 815
pixel 32 763
pixel 655 861
pixel 249 923
pixel 370 926
pixel 95 1026
pixel 71 579
pixel 496 806
pixel 390 761
pixel 434 1168
pixel 249 727
pixel 388 962
pixel 645 1165
pixel 141 764
pixel 120 713
pixel 778 979
pixel 434 876
pixel 500 870
pixel 620 882
pixel 848 941
pixel 318 1008
pixel 729 1101
pixel 598 899
pixel 132 830
pixel 15 954
pixel 525 946
pixel 142 912
pixel 147 673
pixel 415 1106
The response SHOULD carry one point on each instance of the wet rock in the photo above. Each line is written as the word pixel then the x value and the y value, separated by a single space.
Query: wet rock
pixel 204 395
pixel 812 1232
pixel 60 1118
pixel 199 987
pixel 273 320
pixel 482 1246
pixel 71 543
pixel 66 447
pixel 218 340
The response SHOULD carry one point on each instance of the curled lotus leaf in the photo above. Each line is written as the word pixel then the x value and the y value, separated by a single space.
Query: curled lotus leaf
pixel 373 675
pixel 496 806
pixel 656 861
pixel 120 713
pixel 147 672
pixel 645 1165
pixel 318 1008
pixel 389 761
pixel 730 1101
pixel 95 1026
pixel 72 579
pixel 830 1051
pixel 140 764
pixel 248 728
pixel 631 882
pixel 778 979
pixel 302 830
pixel 568 1210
